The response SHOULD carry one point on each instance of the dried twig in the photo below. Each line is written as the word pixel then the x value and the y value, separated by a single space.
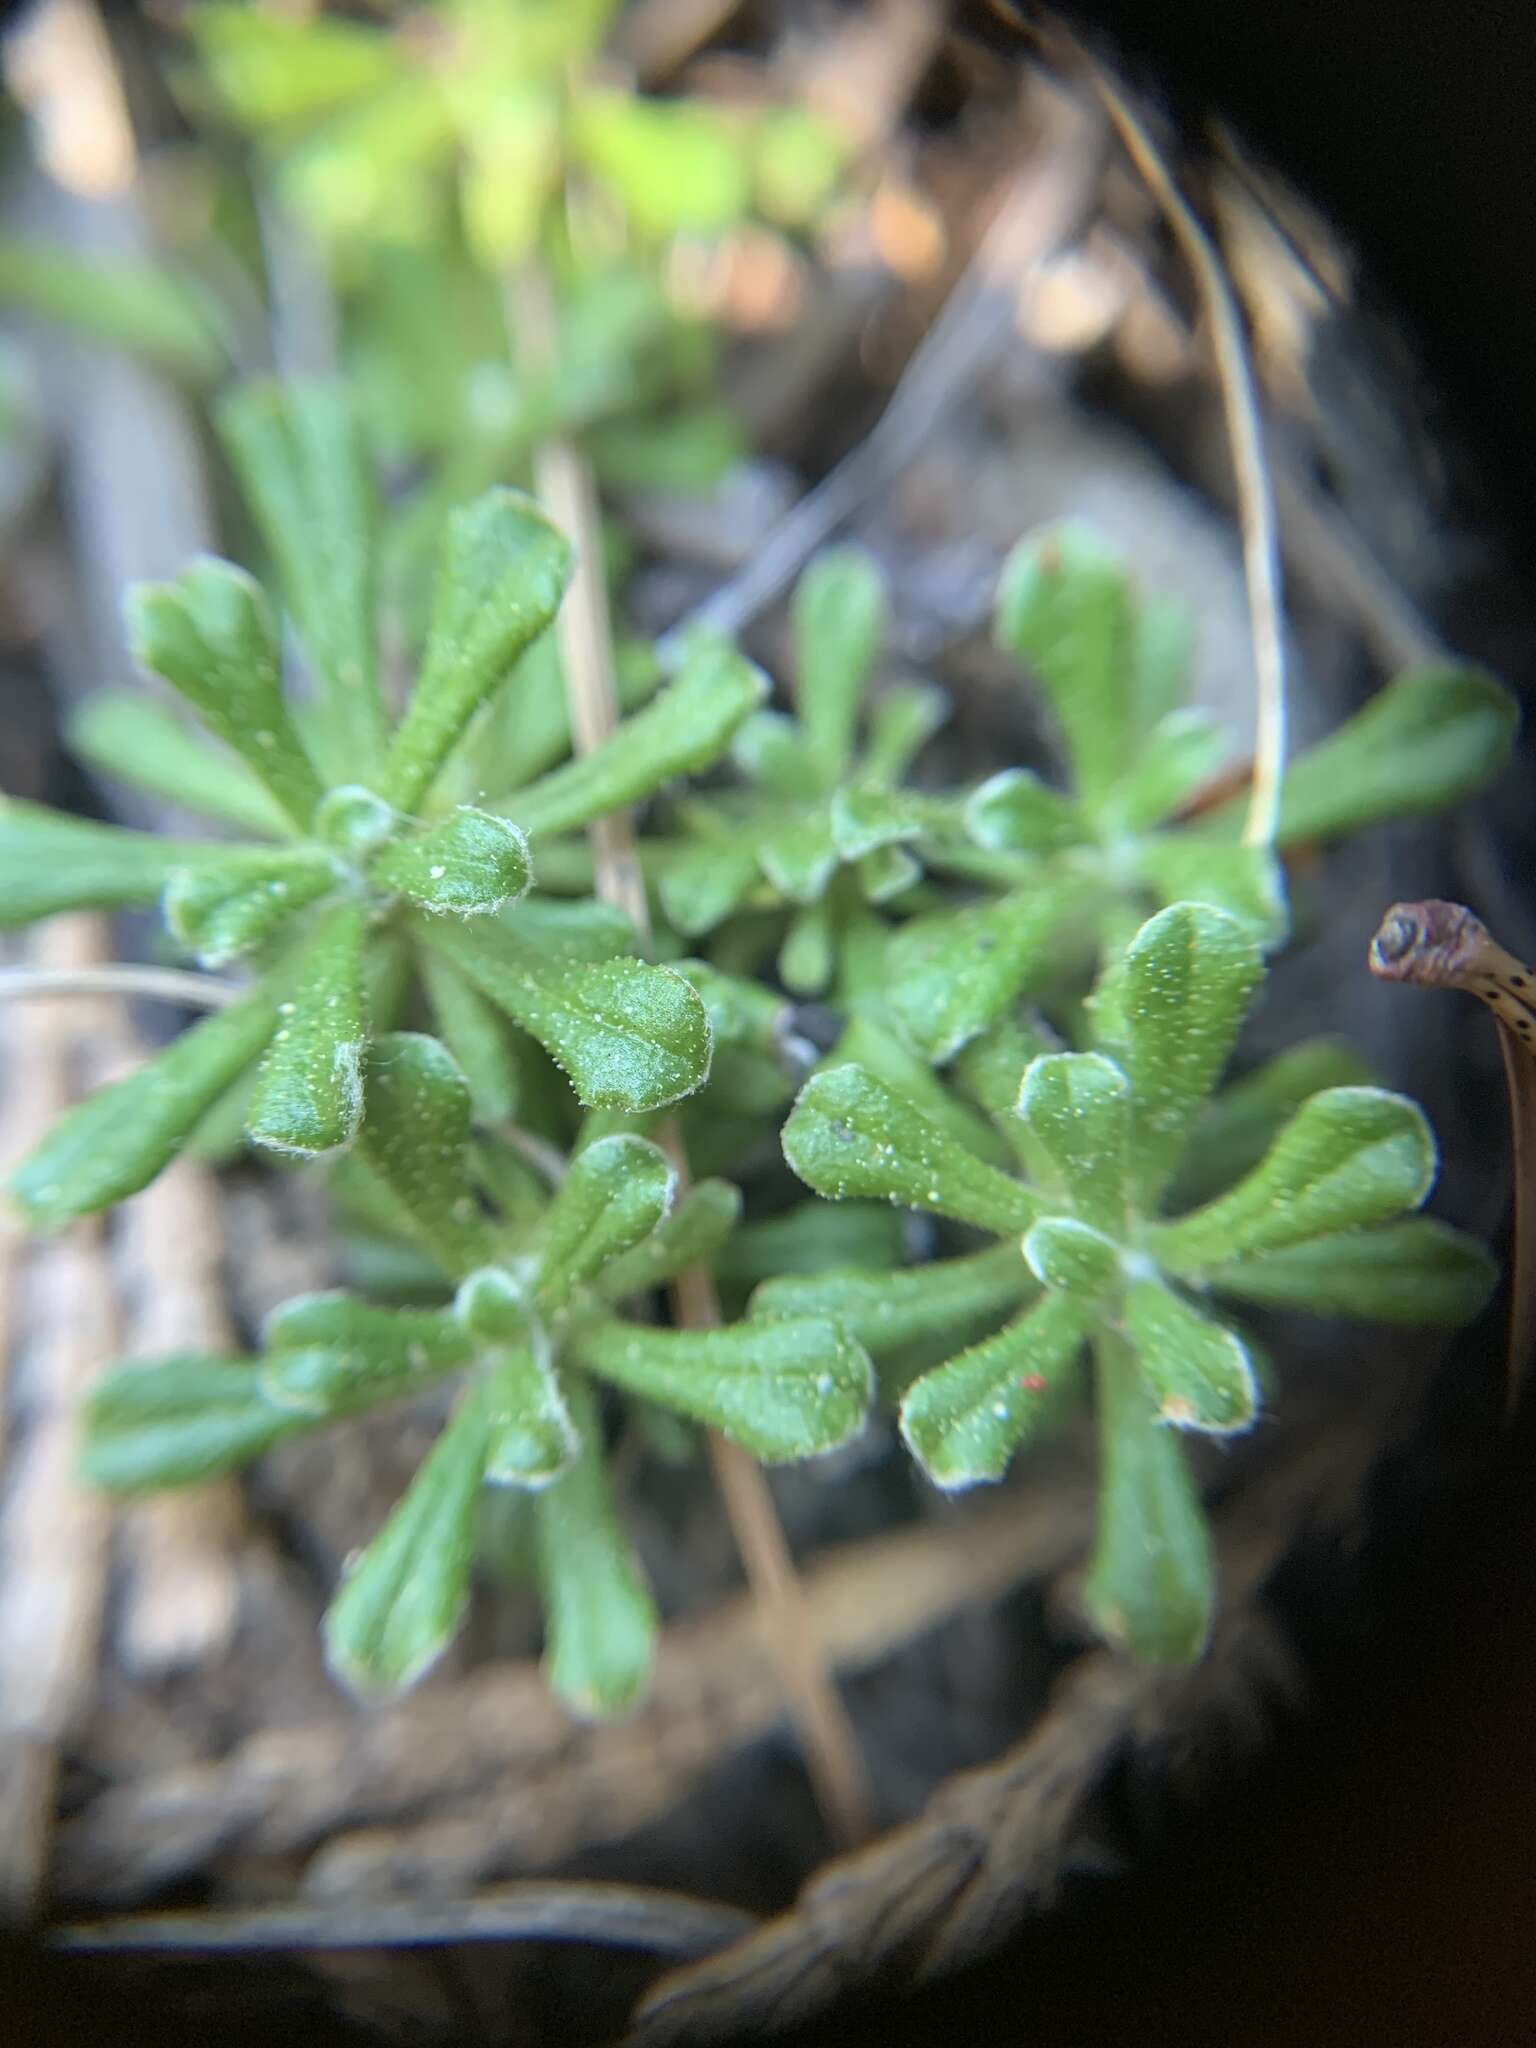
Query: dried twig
pixel 617 1915
pixel 1261 546
pixel 831 1748
pixel 496 1762
pixel 54 1533
pixel 119 978
pixel 180 1593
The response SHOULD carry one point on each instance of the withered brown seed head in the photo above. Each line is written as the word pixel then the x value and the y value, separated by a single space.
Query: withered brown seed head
pixel 1433 943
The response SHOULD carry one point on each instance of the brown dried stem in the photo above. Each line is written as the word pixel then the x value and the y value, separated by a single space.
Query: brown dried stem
pixel 831 1747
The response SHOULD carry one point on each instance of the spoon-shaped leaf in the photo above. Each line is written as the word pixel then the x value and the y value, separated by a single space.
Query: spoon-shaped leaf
pixel 308 1097
pixel 838 616
pixel 402 1602
pixel 685 728
pixel 469 864
pixel 850 1134
pixel 782 1390
pixel 126 736
pixel 331 1354
pixel 630 1036
pixel 1238 1126
pixel 964 1421
pixel 1348 1158
pixel 533 1439
pixel 694 1231
pixel 617 1190
pixel 1189 975
pixel 476 1033
pixel 299 455
pixel 177 1421
pixel 954 973
pixel 501 575
pixel 118 1139
pixel 1414 1272
pixel 1150 1584
pixel 415 1138
pixel 50 862
pixel 886 1310
pixel 1073 1258
pixel 211 636
pixel 1077 1106
pixel 1198 1372
pixel 225 907
pixel 1015 812
pixel 600 1619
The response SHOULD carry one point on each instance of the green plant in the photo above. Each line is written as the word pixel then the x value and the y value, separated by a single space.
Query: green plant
pixel 1089 1259
pixel 402 830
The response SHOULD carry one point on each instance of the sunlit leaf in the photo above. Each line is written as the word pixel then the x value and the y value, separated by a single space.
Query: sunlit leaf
pixel 1073 1258
pixel 467 865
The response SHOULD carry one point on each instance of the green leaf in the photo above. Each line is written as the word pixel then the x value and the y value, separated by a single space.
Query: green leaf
pixel 1150 1585
pixel 771 750
pixel 1164 649
pixel 888 872
pixel 501 575
pixel 684 728
pixel 1348 1158
pixel 814 1237
pixel 867 819
pixel 600 1619
pixel 902 720
pixel 783 1390
pixel 118 1139
pixel 1245 881
pixel 673 163
pixel 511 170
pixel 990 1069
pixel 693 1232
pixel 127 737
pixel 964 1421
pixel 1077 1106
pixel 299 455
pixel 956 972
pixel 177 1421
pixel 234 903
pixel 1189 976
pixel 584 930
pixel 1428 739
pixel 809 952
pixel 850 1134
pixel 212 637
pixel 308 1098
pixel 741 1012
pixel 885 1310
pixel 475 1033
pixel 868 1044
pixel 124 300
pixel 1235 1130
pixel 50 862
pixel 616 1192
pixel 331 1354
pixel 1179 755
pixel 532 1437
pixel 275 70
pixel 402 1602
pixel 838 616
pixel 800 857
pixel 467 865
pixel 1199 1374
pixel 630 1037
pixel 1414 1272
pixel 414 1138
pixel 1073 1258
pixel 1064 606
pixel 701 884
pixel 1015 812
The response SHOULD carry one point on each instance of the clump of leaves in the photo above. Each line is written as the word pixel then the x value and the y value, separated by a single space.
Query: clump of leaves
pixel 530 1336
pixel 1090 1262
pixel 361 874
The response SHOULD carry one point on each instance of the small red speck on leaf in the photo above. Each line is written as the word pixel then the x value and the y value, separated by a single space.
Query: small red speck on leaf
pixel 1033 1382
